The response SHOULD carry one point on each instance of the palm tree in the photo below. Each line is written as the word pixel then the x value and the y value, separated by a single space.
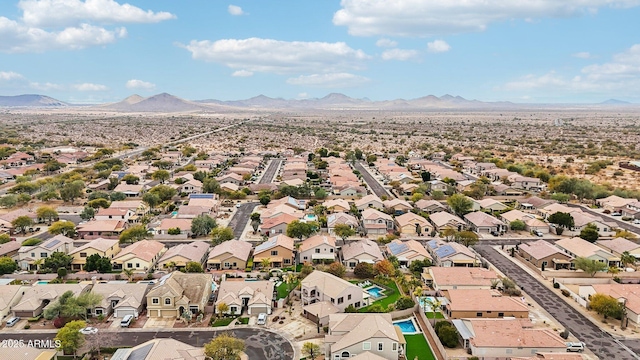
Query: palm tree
pixel 266 263
pixel 627 259
pixel 38 263
pixel 171 265
pixel 613 270
pixel 128 273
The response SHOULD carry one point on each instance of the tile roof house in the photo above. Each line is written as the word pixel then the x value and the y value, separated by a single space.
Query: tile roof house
pixel 492 204
pixel 232 254
pixel 181 254
pixel 337 205
pixel 161 230
pixel 120 299
pixel 369 201
pixel 107 229
pixel 277 224
pixel 355 252
pixel 629 294
pixel 318 248
pixel 399 206
pixel 114 214
pixel 577 247
pixel 355 334
pixel 341 218
pixel 475 303
pixel 278 249
pixel 376 222
pixel 254 296
pixel 140 256
pixel 333 292
pixel 178 292
pixel 407 251
pixel 36 298
pixel 29 255
pixel 453 278
pixel 10 295
pixel 542 254
pixel 506 338
pixel 482 222
pixel 104 247
pixel 430 206
pixel 442 220
pixel 619 245
pixel 413 225
pixel 161 348
pixel 451 254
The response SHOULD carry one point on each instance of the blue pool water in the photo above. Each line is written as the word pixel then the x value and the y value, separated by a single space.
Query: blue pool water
pixel 174 214
pixel 376 291
pixel 425 302
pixel 42 282
pixel 407 326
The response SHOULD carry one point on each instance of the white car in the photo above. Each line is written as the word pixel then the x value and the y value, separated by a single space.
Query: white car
pixel 262 319
pixel 88 331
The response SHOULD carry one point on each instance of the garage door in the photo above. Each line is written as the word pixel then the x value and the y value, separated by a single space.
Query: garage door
pixel 255 310
pixel 120 313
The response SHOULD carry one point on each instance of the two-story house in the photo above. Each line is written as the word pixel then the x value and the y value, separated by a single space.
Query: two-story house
pixel 178 292
pixel 318 249
pixel 351 335
pixel 232 254
pixel 104 247
pixel 278 250
pixel 32 257
pixel 139 256
pixel 324 293
pixel 178 256
pixel 376 222
pixel 120 299
pixel 253 296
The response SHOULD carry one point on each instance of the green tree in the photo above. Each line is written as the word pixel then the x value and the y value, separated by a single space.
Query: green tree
pixel 117 196
pixel 321 194
pixel 5 238
pixel 98 263
pixel 264 199
pixel 9 200
pixel 224 347
pixel 7 265
pixel 298 229
pixel 162 164
pixel 221 234
pixel 311 350
pixel 561 219
pixel 87 213
pixel 134 233
pixel 98 203
pixel 210 186
pixel 131 179
pixel 627 259
pixel 589 266
pixel 467 238
pixel 560 197
pixel 255 221
pixel 448 335
pixel 517 225
pixel 57 260
pixel 151 199
pixel 31 242
pixel 193 267
pixel 337 269
pixel 161 175
pixel 70 337
pixel 606 305
pixel 202 225
pixel 344 231
pixel 590 233
pixel 72 191
pixel 164 192
pixel 64 227
pixel 460 204
pixel 46 213
pixel 22 223
pixel 364 271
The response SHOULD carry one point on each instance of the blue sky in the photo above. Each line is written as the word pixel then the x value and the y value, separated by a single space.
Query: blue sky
pixel 529 51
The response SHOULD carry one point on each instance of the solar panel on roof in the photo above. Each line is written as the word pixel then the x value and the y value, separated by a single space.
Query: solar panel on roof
pixel 201 196
pixel 52 244
pixel 141 353
pixel 396 248
pixel 444 251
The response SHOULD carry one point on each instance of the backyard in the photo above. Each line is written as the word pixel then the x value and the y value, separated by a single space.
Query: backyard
pixel 284 289
pixel 418 348
pixel 392 294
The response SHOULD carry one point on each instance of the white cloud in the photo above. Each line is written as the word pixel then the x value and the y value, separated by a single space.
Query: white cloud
pixel 139 84
pixel 621 75
pixel 242 73
pixel 386 43
pixel 399 54
pixel 45 86
pixel 419 18
pixel 438 46
pixel 235 10
pixel 89 87
pixel 582 55
pixel 45 13
pixel 303 95
pixel 336 80
pixel 10 76
pixel 280 57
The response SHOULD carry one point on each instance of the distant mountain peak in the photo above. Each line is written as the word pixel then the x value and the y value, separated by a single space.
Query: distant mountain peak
pixel 30 100
pixel 615 102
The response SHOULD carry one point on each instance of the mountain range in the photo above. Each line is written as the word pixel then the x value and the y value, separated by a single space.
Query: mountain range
pixel 167 103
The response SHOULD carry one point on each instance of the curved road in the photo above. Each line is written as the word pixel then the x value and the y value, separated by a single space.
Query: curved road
pixel 261 344
pixel 601 343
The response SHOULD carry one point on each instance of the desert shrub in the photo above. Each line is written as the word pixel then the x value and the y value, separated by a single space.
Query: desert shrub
pixel 405 302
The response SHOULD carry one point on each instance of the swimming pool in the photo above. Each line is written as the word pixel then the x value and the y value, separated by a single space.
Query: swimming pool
pixel 425 302
pixel 42 282
pixel 407 326
pixel 376 291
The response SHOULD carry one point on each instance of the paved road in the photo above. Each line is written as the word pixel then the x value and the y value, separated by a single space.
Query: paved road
pixel 240 219
pixel 261 344
pixel 601 343
pixel 270 172
pixel 375 186
pixel 622 224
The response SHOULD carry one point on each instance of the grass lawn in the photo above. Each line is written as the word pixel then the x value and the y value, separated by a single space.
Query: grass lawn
pixel 392 295
pixel 243 320
pixel 283 289
pixel 223 322
pixel 434 315
pixel 418 348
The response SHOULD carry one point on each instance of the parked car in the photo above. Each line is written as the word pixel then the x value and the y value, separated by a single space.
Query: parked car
pixel 12 321
pixel 636 221
pixel 616 214
pixel 262 319
pixel 575 347
pixel 538 233
pixel 126 320
pixel 88 330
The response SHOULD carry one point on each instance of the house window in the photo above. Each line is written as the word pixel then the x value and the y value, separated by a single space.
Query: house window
pixel 155 301
pixel 345 354
pixel 500 314
pixel 33 254
pixel 129 265
pixel 380 346
pixel 110 217
pixel 137 265
pixel 349 297
pixel 317 251
pixel 357 305
pixel 394 346
pixel 287 261
pixel 352 264
pixel 83 255
pixel 226 264
pixel 167 301
pixel 366 346
pixel 304 258
pixel 340 300
pixel 235 264
pixel 98 311
pixel 274 252
pixel 331 251
pixel 479 314
pixel 43 255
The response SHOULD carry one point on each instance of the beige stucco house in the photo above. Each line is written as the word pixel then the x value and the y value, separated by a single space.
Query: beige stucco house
pixel 178 292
